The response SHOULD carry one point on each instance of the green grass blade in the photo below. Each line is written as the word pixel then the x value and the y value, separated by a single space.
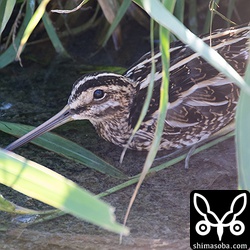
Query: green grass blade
pixel 192 16
pixel 179 10
pixel 161 15
pixel 164 46
pixel 32 24
pixel 10 207
pixel 53 189
pixel 10 54
pixel 149 92
pixel 53 36
pixel 243 136
pixel 120 13
pixel 231 7
pixel 212 6
pixel 65 148
pixel 165 43
pixel 6 8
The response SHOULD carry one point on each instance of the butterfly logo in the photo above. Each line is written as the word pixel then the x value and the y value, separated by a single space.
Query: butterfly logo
pixel 203 227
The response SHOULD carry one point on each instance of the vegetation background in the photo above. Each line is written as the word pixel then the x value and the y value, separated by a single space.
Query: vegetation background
pixel 35 84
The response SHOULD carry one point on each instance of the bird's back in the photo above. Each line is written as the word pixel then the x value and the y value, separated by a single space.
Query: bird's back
pixel 201 100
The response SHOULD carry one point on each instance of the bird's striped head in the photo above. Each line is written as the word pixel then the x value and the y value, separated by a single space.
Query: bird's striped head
pixel 101 96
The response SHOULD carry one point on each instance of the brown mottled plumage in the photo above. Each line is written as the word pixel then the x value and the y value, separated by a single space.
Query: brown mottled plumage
pixel 201 100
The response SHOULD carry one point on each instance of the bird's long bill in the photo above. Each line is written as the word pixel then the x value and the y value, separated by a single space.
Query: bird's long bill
pixel 60 118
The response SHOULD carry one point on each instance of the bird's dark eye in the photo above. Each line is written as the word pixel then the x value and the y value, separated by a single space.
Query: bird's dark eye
pixel 99 94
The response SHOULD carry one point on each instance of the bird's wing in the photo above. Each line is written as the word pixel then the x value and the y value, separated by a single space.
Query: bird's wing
pixel 191 77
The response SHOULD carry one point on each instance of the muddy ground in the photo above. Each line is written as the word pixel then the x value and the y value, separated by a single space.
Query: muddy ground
pixel 160 215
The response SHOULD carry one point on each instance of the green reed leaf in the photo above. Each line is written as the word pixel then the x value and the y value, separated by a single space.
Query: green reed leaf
pixel 53 189
pixel 243 136
pixel 161 15
pixel 32 24
pixel 6 9
pixel 179 10
pixel 120 13
pixel 65 148
pixel 53 35
pixel 9 55
pixel 165 43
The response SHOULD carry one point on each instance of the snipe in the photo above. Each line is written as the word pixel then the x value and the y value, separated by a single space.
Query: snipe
pixel 201 100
